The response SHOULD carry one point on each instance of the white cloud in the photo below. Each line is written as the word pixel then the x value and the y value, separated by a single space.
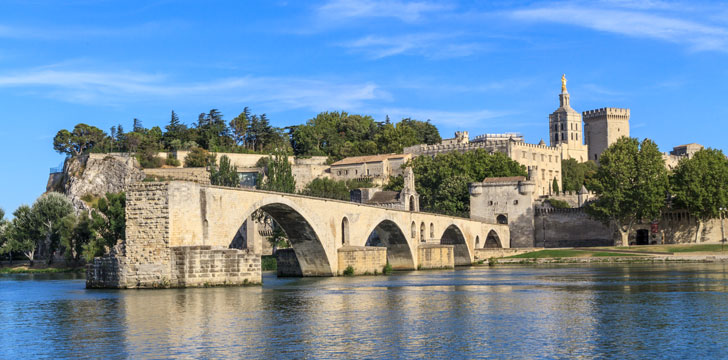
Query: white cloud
pixel 429 45
pixel 413 11
pixel 111 88
pixel 631 23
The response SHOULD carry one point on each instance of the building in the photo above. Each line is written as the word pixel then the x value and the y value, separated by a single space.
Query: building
pixel 565 128
pixel 602 127
pixel 406 199
pixel 680 152
pixel 377 168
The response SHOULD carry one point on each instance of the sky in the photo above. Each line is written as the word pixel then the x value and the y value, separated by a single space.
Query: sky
pixel 480 66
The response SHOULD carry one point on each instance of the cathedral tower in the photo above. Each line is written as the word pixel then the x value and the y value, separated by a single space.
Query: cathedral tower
pixel 565 128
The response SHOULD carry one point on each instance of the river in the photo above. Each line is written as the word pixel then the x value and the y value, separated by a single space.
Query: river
pixel 618 311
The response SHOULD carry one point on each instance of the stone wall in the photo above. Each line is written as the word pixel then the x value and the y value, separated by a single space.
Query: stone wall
pixel 483 254
pixel 435 256
pixel 206 266
pixel 287 263
pixel 569 228
pixel 545 160
pixel 198 175
pixel 363 259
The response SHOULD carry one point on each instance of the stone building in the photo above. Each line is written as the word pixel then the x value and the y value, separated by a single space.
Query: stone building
pixel 680 152
pixel 602 127
pixel 406 199
pixel 377 168
pixel 565 128
pixel 506 200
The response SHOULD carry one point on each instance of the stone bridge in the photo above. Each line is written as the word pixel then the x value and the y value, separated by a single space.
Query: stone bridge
pixel 186 234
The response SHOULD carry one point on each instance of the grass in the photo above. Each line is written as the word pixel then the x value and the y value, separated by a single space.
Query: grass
pixel 268 263
pixel 566 254
pixel 50 270
pixel 672 248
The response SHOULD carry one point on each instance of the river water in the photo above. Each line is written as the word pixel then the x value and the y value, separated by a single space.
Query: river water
pixel 641 311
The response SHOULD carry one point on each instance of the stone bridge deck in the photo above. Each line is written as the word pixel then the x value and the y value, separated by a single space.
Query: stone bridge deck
pixel 162 217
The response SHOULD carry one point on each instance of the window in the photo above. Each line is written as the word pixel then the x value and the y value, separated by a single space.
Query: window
pixel 543 157
pixel 543 174
pixel 490 203
pixel 551 158
pixel 413 229
pixel 524 155
pixel 339 172
pixel 534 156
pixel 432 231
pixel 367 171
pixel 515 202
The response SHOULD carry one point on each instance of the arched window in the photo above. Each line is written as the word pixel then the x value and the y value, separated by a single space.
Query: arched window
pixel 412 203
pixel 414 230
pixel 502 219
pixel 477 241
pixel 344 231
pixel 432 231
pixel 422 232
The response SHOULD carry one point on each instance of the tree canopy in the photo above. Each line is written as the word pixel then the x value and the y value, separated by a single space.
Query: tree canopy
pixel 278 175
pixel 700 185
pixel 442 181
pixel 631 184
pixel 576 174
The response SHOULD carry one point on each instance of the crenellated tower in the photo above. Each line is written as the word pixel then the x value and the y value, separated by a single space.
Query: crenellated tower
pixel 602 127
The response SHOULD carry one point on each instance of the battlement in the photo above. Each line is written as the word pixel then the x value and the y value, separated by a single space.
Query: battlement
pixel 606 111
pixel 441 148
pixel 536 146
pixel 496 137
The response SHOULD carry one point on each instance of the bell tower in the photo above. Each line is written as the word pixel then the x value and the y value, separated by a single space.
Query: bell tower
pixel 565 128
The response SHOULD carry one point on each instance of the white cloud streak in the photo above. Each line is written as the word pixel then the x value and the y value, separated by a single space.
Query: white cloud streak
pixel 430 45
pixel 632 23
pixel 113 88
pixel 338 10
pixel 449 118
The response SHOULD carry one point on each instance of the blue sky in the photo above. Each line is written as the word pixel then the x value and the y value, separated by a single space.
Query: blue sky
pixel 480 66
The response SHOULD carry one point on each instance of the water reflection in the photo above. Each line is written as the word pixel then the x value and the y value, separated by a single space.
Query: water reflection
pixel 602 311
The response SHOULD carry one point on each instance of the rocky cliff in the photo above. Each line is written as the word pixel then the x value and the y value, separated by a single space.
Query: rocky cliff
pixel 95 175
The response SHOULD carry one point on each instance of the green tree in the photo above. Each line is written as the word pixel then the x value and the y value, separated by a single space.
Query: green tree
pixel 4 241
pixel 239 126
pixel 631 185
pixel 333 189
pixel 108 222
pixel 199 157
pixel 47 213
pixel 425 132
pixel 23 233
pixel 226 175
pixel 335 134
pixel 700 186
pixel 555 186
pixel 576 174
pixel 279 176
pixel 76 142
pixel 442 181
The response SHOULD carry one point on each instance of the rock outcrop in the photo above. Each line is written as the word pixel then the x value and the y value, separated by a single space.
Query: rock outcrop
pixel 95 175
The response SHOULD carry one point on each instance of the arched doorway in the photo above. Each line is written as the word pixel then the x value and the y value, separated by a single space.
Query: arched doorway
pixel 492 241
pixel 344 231
pixel 502 219
pixel 389 235
pixel 453 236
pixel 307 254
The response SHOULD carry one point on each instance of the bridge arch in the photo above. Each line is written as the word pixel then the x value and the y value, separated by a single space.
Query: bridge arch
pixel 313 257
pixel 454 236
pixel 388 234
pixel 493 240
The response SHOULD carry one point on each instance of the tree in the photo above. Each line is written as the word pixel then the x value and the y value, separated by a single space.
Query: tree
pixel 239 126
pixel 24 233
pixel 137 126
pixel 576 174
pixel 226 175
pixel 81 139
pixel 4 241
pixel 333 189
pixel 555 186
pixel 700 186
pixel 631 185
pixel 109 222
pixel 279 176
pixel 47 213
pixel 199 157
pixel 442 181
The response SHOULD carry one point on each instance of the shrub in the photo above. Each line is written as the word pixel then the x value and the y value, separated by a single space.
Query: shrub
pixel 172 161
pixel 559 204
pixel 349 271
pixel 199 157
pixel 387 269
pixel 149 160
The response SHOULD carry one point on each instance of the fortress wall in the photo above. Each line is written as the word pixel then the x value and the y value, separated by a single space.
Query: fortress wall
pixel 569 228
pixel 198 175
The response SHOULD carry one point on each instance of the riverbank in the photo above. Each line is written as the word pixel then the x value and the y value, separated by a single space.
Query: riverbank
pixel 705 253
pixel 24 269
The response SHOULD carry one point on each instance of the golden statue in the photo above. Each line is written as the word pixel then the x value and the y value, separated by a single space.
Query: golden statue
pixel 563 83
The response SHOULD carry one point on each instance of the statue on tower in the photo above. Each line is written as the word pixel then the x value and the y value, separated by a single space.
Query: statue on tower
pixel 563 83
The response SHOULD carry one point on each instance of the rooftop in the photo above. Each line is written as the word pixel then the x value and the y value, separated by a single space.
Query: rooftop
pixel 368 159
pixel 384 197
